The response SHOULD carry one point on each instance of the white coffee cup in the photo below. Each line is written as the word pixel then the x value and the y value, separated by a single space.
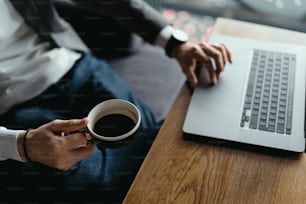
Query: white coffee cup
pixel 113 107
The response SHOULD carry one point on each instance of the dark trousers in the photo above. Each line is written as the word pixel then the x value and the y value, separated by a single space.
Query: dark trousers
pixel 105 176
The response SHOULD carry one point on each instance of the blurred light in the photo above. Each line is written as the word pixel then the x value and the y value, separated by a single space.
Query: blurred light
pixel 198 27
pixel 183 15
pixel 169 14
pixel 298 3
pixel 190 29
pixel 279 4
pixel 205 36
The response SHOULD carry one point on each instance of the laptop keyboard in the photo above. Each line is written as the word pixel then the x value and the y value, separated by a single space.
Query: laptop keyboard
pixel 269 96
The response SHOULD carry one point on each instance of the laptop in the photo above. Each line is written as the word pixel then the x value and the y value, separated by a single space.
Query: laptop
pixel 259 99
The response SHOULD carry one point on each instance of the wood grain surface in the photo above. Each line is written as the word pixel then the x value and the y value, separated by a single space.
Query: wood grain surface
pixel 179 170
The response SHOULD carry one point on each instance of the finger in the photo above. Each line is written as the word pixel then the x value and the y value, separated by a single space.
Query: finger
pixel 189 71
pixel 84 152
pixel 68 125
pixel 225 52
pixel 191 76
pixel 205 60
pixel 76 155
pixel 76 141
pixel 222 50
pixel 212 74
pixel 216 55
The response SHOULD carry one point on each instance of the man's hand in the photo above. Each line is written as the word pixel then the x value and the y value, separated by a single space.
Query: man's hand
pixel 188 54
pixel 50 145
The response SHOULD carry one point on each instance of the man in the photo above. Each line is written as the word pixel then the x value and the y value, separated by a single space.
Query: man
pixel 48 77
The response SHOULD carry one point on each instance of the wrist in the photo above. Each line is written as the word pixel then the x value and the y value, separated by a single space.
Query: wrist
pixel 20 149
pixel 178 37
pixel 22 145
pixel 176 51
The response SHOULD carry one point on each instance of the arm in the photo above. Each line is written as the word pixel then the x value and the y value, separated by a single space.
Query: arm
pixel 151 25
pixel 48 145
pixel 139 16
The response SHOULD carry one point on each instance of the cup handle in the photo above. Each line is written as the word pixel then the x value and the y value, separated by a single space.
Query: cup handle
pixel 92 140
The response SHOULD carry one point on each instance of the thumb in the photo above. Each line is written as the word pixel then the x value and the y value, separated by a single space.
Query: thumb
pixel 68 125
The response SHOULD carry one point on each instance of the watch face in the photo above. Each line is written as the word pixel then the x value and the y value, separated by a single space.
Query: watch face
pixel 180 35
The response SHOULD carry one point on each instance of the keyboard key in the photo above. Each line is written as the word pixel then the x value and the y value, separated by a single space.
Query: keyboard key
pixel 269 95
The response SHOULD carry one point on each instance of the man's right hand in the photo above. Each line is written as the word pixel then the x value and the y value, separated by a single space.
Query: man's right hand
pixel 49 145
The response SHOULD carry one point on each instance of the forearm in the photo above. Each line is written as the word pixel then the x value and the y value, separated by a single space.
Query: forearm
pixel 139 16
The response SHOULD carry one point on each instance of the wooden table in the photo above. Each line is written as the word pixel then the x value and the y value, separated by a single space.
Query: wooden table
pixel 183 171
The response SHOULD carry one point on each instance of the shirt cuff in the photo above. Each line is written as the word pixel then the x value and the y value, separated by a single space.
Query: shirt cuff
pixel 8 144
pixel 164 36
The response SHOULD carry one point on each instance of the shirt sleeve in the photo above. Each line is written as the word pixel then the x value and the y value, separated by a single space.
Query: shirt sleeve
pixel 8 144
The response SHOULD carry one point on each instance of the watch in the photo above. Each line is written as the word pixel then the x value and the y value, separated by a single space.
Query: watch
pixel 177 37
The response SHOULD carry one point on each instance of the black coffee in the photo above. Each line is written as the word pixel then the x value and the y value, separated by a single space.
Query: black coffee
pixel 113 125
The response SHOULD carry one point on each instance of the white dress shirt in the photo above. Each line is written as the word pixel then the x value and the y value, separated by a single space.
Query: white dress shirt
pixel 28 66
